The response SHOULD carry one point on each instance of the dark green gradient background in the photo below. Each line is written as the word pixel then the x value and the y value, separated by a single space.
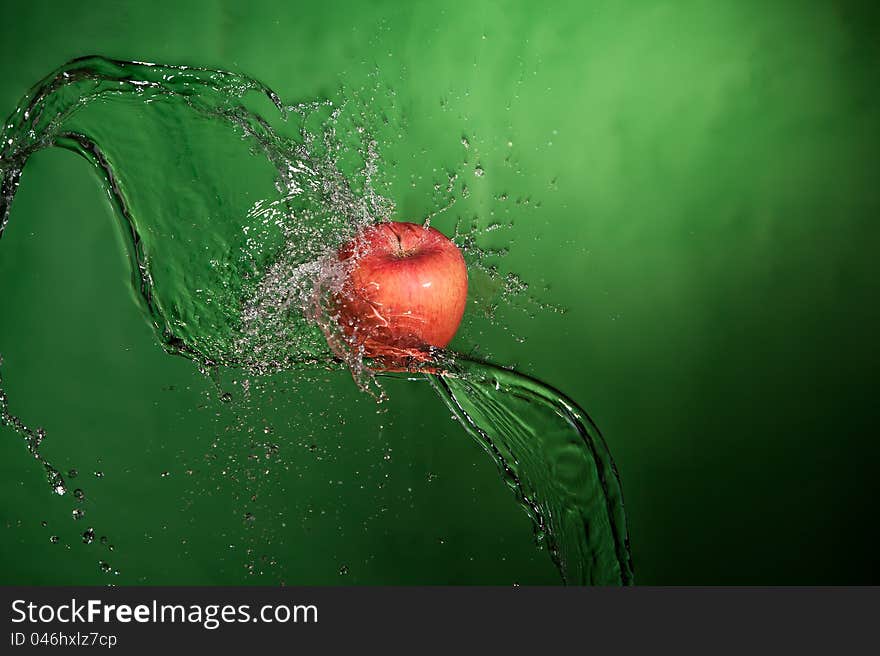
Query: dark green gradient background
pixel 707 174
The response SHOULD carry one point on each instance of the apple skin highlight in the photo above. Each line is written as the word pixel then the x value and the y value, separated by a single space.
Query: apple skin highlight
pixel 404 292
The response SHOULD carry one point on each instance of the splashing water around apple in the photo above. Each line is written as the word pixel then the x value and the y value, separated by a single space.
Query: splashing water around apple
pixel 290 264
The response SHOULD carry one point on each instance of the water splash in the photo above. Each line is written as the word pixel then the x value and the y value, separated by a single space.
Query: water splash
pixel 554 459
pixel 232 223
pixel 33 438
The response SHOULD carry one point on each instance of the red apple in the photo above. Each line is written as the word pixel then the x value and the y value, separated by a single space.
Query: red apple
pixel 404 290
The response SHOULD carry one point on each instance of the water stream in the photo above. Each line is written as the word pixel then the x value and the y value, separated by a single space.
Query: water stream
pixel 229 219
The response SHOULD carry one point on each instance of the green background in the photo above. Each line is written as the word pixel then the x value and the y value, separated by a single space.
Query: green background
pixel 703 201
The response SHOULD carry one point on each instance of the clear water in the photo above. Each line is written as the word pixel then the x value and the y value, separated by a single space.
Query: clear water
pixel 230 218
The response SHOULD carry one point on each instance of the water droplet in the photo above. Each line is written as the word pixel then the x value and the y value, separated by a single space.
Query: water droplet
pixel 479 171
pixel 78 513
pixel 53 539
pixel 88 536
pixel 78 494
pixel 343 570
